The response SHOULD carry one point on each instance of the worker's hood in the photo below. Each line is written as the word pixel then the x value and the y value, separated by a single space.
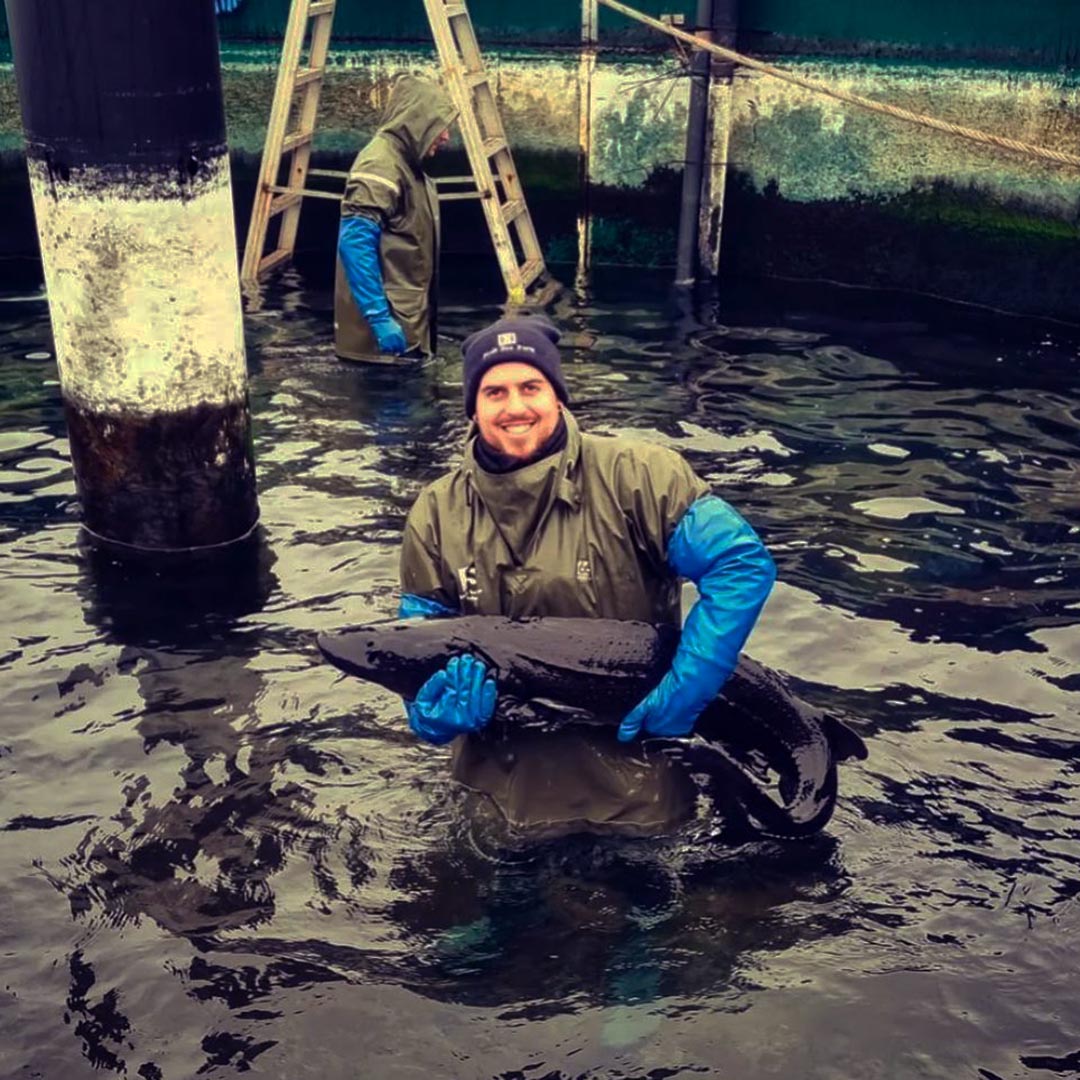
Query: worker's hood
pixel 417 112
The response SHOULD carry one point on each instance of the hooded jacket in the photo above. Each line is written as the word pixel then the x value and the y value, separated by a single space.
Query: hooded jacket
pixel 581 533
pixel 387 184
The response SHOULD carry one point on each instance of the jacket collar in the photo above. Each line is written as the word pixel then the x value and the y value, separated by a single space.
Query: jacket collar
pixel 567 486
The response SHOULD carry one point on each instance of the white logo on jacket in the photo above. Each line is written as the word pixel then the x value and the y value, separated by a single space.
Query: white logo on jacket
pixel 469 586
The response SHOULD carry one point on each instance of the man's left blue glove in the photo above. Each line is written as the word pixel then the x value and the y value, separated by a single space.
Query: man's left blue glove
pixel 722 555
pixel 456 700
pixel 225 7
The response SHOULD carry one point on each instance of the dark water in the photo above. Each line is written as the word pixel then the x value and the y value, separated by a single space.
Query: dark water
pixel 217 856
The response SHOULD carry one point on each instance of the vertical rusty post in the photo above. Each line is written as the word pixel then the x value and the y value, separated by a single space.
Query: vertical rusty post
pixel 129 173
pixel 590 14
pixel 714 180
pixel 686 257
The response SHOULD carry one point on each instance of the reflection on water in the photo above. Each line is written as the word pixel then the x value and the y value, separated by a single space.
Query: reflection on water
pixel 220 856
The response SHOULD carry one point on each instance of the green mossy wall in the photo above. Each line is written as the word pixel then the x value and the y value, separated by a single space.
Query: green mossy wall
pixel 1043 32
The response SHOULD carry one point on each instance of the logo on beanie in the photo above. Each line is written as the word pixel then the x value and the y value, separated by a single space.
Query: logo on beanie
pixel 506 340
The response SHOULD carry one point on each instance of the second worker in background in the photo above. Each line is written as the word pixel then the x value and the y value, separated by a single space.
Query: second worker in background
pixel 385 291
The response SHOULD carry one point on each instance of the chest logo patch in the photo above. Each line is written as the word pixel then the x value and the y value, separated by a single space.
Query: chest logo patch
pixel 468 585
pixel 584 570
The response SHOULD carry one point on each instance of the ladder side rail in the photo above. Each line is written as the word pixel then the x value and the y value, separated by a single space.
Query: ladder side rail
pixel 448 44
pixel 489 197
pixel 505 170
pixel 498 150
pixel 275 136
pixel 309 106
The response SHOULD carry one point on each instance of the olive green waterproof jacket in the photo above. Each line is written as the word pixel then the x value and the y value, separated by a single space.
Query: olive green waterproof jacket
pixel 582 533
pixel 387 183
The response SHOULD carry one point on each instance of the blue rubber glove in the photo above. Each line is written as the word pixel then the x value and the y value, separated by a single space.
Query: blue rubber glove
pixel 411 606
pixel 458 699
pixel 225 7
pixel 723 557
pixel 358 247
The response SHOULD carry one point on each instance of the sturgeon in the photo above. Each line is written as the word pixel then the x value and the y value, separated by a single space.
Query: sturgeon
pixel 558 670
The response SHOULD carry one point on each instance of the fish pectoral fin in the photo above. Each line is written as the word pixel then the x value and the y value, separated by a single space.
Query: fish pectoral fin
pixel 540 712
pixel 845 743
pixel 515 709
pixel 559 710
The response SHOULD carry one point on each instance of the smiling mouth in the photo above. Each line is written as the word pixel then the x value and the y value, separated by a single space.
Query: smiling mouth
pixel 518 428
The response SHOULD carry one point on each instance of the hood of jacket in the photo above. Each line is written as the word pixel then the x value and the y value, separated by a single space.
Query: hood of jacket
pixel 417 112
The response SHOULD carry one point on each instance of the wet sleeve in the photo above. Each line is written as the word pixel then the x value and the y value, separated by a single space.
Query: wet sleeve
pixel 656 487
pixel 373 190
pixel 421 566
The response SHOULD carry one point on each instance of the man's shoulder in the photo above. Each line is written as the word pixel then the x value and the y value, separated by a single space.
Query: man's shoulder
pixel 444 491
pixel 626 451
pixel 380 157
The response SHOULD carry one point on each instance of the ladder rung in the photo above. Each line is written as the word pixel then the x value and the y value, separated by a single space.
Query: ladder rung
pixel 321 7
pixel 474 78
pixel 284 201
pixel 530 271
pixel 453 10
pixel 511 210
pixel 268 262
pixel 493 144
pixel 313 193
pixel 307 75
pixel 295 140
pixel 450 196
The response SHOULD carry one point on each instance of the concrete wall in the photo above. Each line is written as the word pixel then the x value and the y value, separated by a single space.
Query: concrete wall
pixel 816 189
pixel 821 189
pixel 1039 32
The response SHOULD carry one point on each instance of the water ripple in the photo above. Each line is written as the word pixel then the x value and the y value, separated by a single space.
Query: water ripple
pixel 222 856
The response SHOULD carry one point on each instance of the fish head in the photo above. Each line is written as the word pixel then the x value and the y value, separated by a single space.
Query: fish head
pixel 400 656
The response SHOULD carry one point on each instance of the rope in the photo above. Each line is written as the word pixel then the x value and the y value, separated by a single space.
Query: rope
pixel 1062 157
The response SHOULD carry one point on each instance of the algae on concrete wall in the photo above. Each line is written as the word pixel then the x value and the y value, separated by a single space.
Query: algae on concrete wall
pixel 796 160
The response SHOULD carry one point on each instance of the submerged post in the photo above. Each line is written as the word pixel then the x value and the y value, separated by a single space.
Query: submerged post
pixel 129 172
pixel 721 105
pixel 586 68
pixel 686 259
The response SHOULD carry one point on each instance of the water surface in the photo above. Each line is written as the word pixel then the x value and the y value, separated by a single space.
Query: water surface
pixel 219 856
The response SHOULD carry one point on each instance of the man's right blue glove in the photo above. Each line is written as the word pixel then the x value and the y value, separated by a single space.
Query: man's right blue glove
pixel 358 246
pixel 458 699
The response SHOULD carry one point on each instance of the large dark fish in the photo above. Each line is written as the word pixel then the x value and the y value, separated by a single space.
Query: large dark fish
pixel 596 671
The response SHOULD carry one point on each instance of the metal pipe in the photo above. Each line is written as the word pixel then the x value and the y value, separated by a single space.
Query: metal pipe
pixel 721 104
pixel 686 258
pixel 586 68
pixel 129 173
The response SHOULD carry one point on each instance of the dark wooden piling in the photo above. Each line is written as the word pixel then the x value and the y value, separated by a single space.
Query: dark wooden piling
pixel 125 139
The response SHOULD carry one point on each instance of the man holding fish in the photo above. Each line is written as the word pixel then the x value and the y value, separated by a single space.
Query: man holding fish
pixel 541 519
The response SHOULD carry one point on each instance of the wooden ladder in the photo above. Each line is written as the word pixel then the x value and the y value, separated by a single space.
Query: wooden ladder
pixel 495 179
pixel 296 97
pixel 497 183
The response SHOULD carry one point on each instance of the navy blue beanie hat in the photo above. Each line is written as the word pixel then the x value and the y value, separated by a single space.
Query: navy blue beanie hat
pixel 530 339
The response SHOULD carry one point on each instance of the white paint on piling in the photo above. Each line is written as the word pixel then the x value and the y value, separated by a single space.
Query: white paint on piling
pixel 143 289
